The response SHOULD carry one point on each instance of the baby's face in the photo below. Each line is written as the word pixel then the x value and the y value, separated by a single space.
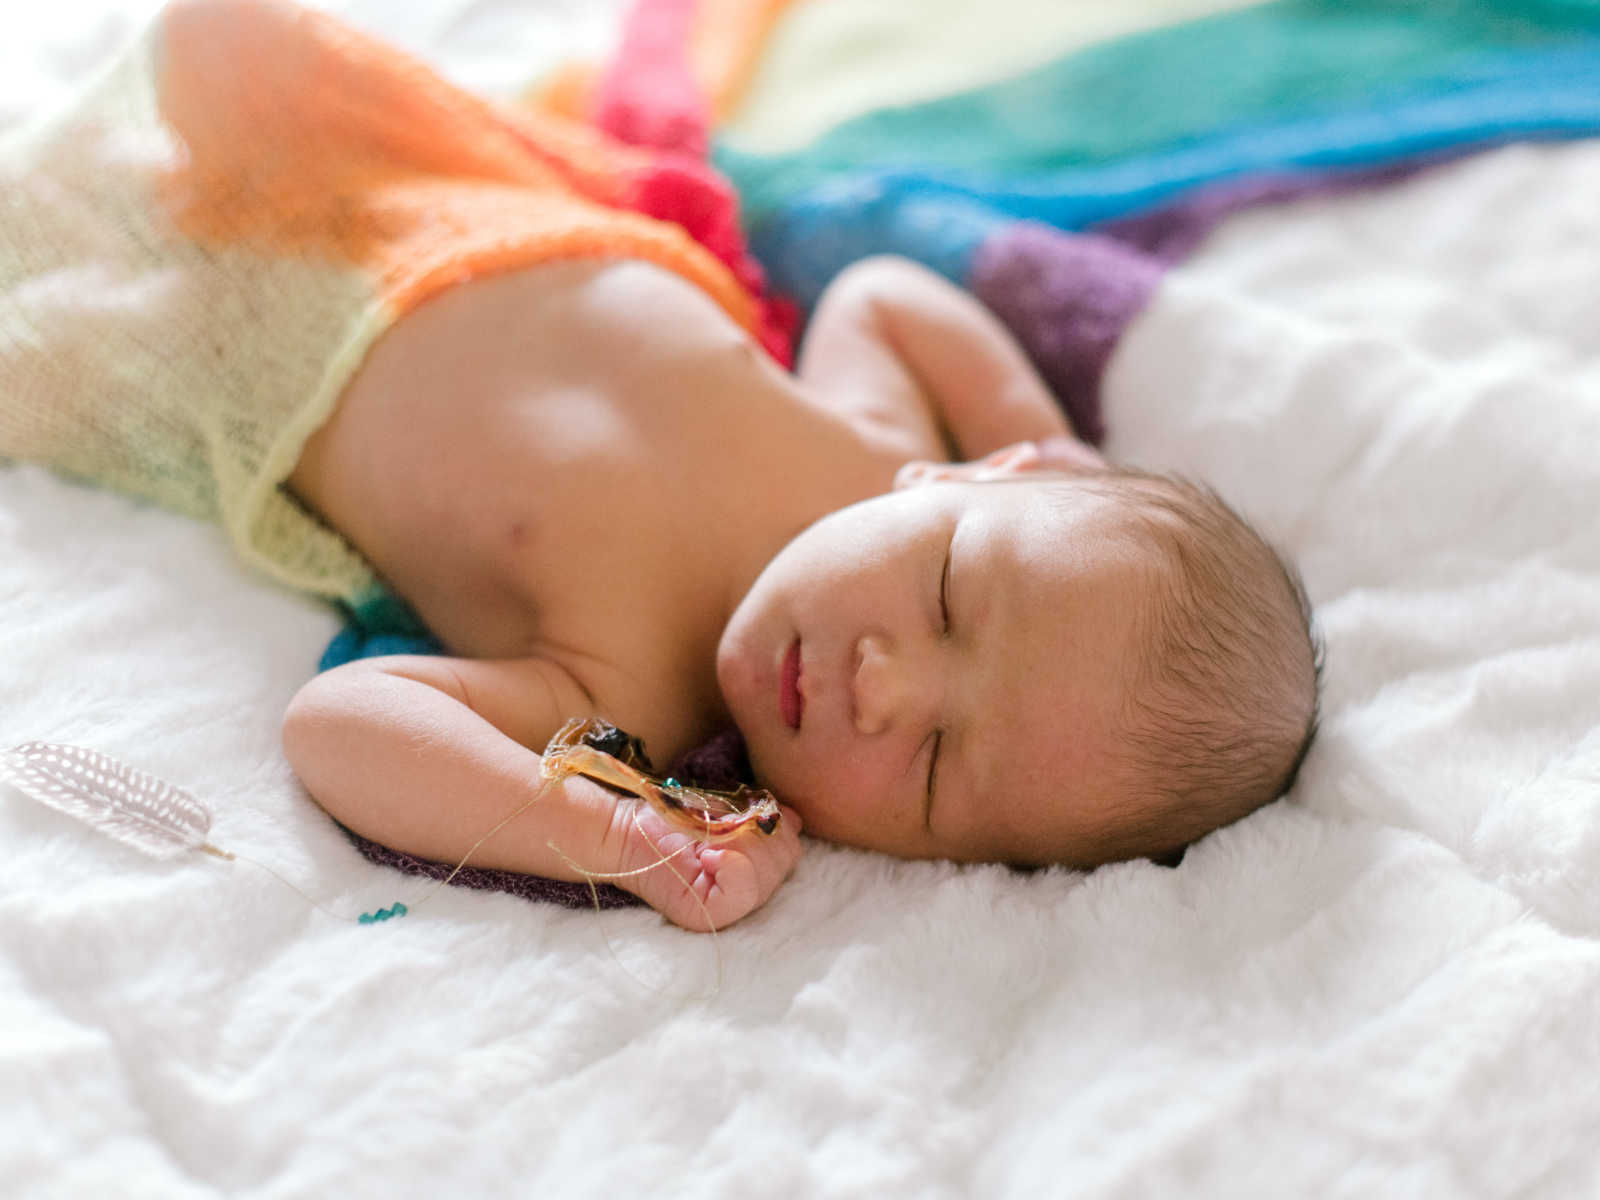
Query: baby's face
pixel 937 672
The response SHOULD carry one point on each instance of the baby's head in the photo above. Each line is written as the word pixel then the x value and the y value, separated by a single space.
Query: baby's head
pixel 1222 694
pixel 1001 662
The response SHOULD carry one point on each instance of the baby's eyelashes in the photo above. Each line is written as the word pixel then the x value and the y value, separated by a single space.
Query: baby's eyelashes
pixel 944 592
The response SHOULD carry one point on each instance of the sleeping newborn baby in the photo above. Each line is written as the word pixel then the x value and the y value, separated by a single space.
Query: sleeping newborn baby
pixel 388 347
pixel 1029 657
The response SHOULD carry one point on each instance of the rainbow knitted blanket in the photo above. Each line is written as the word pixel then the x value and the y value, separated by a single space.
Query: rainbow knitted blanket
pixel 1060 191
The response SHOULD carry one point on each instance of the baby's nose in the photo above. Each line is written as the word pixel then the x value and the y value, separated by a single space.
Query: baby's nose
pixel 886 688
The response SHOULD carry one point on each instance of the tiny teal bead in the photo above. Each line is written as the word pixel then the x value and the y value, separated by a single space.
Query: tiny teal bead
pixel 366 918
pixel 670 782
pixel 399 910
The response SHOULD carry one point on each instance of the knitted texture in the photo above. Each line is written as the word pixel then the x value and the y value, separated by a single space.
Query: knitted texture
pixel 680 59
pixel 195 258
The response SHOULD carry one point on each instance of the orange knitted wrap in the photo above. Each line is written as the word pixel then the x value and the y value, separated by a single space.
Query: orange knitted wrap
pixel 346 149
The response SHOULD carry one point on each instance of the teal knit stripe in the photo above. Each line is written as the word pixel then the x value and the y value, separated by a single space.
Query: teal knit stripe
pixel 940 218
pixel 1287 60
pixel 377 622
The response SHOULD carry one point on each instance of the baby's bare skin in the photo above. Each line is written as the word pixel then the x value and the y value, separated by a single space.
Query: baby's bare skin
pixel 575 473
pixel 587 464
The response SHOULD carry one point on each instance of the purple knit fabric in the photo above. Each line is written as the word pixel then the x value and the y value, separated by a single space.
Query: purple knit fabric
pixel 529 887
pixel 720 763
pixel 1171 233
pixel 1066 297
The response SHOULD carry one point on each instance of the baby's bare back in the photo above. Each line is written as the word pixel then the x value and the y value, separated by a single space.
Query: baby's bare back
pixel 579 461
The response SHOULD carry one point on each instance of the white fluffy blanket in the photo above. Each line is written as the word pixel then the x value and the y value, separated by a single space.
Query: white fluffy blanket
pixel 1388 984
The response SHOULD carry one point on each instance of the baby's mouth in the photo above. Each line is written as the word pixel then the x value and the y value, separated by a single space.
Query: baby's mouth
pixel 790 702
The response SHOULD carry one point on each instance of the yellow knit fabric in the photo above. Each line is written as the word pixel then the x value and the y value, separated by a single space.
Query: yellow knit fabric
pixel 195 257
pixel 132 357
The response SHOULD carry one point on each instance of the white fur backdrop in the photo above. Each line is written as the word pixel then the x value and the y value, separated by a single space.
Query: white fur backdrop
pixel 1388 984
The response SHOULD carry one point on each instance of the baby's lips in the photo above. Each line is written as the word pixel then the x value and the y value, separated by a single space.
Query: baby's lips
pixel 790 817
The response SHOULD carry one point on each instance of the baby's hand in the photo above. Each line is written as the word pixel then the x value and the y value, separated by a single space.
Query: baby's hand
pixel 1064 454
pixel 694 884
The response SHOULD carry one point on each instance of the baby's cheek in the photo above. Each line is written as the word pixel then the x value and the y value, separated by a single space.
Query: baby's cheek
pixel 837 801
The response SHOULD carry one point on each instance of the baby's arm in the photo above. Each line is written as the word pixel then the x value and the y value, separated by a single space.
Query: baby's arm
pixel 902 346
pixel 426 755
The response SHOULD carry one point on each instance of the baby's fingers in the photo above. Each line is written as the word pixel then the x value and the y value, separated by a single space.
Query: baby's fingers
pixel 741 875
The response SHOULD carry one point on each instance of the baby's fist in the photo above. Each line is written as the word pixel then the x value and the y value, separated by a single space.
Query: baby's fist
pixel 698 885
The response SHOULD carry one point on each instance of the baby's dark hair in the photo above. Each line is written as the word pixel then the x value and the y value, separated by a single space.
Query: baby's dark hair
pixel 1222 708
